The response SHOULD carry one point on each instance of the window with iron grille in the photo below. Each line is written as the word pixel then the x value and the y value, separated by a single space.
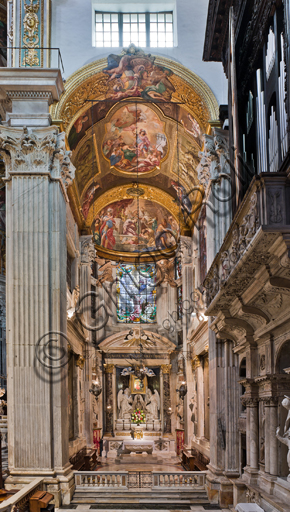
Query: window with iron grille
pixel 150 29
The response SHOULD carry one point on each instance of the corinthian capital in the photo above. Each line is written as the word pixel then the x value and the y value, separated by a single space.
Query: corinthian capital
pixel 88 252
pixel 39 151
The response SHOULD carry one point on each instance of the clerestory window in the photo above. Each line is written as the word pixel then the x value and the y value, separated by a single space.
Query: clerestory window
pixel 150 29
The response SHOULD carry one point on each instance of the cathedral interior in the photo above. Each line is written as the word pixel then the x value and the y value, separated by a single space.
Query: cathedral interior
pixel 145 255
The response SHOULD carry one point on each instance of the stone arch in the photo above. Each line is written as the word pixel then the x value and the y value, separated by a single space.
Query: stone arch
pixel 82 84
pixel 283 357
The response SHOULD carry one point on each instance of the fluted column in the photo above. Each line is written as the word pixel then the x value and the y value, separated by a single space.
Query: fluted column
pixel 109 401
pixel 165 369
pixel 272 405
pixel 252 411
pixel 38 171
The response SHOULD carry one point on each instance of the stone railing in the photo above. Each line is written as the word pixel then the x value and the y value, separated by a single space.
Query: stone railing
pixel 20 500
pixel 101 480
pixel 260 218
pixel 178 480
pixel 124 480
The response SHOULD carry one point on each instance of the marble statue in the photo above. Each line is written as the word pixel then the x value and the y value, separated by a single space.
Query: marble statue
pixel 285 439
pixel 139 403
pixel 153 403
pixel 124 403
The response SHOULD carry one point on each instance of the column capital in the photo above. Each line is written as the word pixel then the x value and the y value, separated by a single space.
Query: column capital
pixel 270 401
pixel 88 251
pixel 39 151
pixel 166 368
pixel 195 362
pixel 250 401
pixel 109 368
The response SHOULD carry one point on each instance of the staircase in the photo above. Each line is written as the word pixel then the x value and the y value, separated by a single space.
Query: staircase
pixel 140 489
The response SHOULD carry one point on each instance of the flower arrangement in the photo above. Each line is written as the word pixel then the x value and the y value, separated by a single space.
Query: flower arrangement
pixel 138 416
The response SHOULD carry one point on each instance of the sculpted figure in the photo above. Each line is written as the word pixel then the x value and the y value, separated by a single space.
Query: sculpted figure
pixel 124 403
pixel 153 405
pixel 139 403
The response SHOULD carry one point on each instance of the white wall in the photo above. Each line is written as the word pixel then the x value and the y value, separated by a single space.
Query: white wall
pixel 72 33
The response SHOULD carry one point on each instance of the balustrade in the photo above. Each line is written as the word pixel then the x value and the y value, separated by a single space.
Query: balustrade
pixel 178 479
pixel 101 479
pixel 118 480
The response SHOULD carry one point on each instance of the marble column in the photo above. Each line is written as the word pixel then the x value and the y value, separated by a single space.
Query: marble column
pixel 252 411
pixel 232 411
pixel 38 170
pixel 109 401
pixel 165 369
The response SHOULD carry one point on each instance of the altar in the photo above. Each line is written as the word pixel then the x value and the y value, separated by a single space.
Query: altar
pixel 138 395
pixel 138 446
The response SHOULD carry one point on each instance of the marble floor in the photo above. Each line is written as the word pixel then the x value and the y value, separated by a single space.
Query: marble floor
pixel 170 464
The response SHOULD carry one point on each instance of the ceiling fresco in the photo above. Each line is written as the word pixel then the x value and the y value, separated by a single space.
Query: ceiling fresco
pixel 135 139
pixel 135 122
pixel 121 227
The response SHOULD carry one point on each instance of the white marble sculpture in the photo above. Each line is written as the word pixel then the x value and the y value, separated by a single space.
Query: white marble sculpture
pixel 285 439
pixel 139 403
pixel 153 404
pixel 124 403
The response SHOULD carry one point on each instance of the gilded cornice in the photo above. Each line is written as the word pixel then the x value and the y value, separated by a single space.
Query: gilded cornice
pixel 84 84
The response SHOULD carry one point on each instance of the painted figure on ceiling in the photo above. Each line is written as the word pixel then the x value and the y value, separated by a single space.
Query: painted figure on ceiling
pixel 135 74
pixel 106 230
pixel 135 140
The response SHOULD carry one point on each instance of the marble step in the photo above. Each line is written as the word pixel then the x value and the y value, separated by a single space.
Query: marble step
pixel 157 499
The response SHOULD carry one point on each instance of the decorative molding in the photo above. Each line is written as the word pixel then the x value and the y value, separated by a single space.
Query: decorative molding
pixel 45 95
pixel 30 34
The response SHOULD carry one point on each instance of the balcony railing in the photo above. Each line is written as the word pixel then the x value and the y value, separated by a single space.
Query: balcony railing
pixel 261 218
pixel 22 57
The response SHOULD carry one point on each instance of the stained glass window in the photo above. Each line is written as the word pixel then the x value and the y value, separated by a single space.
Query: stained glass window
pixel 136 293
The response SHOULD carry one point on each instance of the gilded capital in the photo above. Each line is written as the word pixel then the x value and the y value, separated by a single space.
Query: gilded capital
pixel 80 362
pixel 195 363
pixel 166 368
pixel 109 368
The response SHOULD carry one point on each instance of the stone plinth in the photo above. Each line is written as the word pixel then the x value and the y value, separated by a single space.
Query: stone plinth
pixel 248 507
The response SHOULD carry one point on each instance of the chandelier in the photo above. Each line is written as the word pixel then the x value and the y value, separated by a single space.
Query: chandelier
pixel 138 369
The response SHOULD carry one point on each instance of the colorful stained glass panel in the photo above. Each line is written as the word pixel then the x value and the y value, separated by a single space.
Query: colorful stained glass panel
pixel 136 293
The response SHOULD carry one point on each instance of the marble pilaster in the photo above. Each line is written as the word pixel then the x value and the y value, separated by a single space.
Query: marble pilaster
pixel 109 401
pixel 165 369
pixel 87 252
